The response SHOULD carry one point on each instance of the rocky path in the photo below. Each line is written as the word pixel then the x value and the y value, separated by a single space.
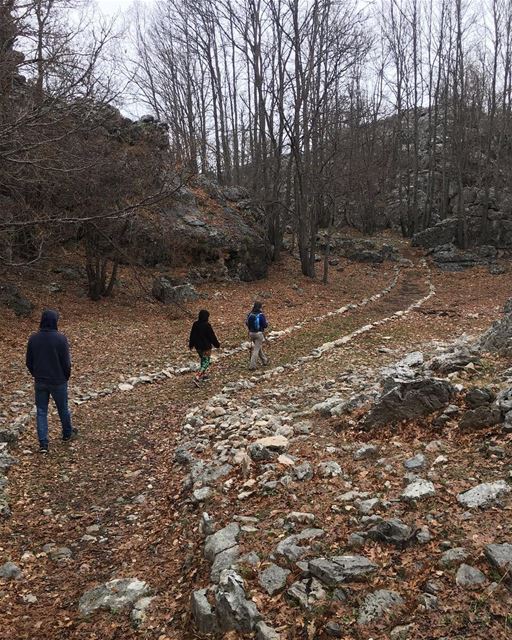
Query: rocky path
pixel 280 485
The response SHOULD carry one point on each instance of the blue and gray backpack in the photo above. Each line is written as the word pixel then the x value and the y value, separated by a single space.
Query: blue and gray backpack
pixel 253 322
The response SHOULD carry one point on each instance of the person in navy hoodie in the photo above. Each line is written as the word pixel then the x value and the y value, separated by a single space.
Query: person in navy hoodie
pixel 49 362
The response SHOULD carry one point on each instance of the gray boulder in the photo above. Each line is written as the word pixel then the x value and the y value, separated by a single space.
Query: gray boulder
pixel 453 557
pixel 167 293
pixel 498 338
pixel 307 593
pixel 418 489
pixel 450 258
pixel 10 571
pixel 222 540
pixel 483 494
pixel 499 556
pixel 204 616
pixel 273 579
pixel 377 604
pixel 338 569
pixel 453 361
pixel 486 415
pixel 12 298
pixel 442 233
pixel 234 611
pixel 114 595
pixel 291 548
pixel 393 532
pixel 409 401
pixel 469 577
pixel 477 397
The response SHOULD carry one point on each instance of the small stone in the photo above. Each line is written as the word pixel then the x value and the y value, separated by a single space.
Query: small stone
pixel 366 451
pixel 300 517
pixel 355 540
pixel 307 593
pixel 329 469
pixel 203 494
pixel 303 471
pixel 334 630
pixel 10 571
pixel 453 557
pixel 60 553
pixel 251 558
pixel 469 577
pixel 377 604
pixel 401 633
pixel 419 489
pixel 417 462
pixel 367 506
pixel 423 536
pixel 94 528
pixel 428 601
pixel 291 548
pixel 29 598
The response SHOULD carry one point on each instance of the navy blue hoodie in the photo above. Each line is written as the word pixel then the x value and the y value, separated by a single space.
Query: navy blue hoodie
pixel 48 358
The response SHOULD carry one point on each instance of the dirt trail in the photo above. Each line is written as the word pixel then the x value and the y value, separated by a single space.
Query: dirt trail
pixel 120 477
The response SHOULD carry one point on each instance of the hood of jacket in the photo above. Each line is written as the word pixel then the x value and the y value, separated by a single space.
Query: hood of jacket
pixel 49 320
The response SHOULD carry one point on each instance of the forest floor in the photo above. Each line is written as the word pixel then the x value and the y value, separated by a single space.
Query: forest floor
pixel 120 477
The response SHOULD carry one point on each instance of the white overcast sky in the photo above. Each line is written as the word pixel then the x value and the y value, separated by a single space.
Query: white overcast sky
pixel 114 6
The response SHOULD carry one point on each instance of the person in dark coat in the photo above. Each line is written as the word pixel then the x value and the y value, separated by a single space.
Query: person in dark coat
pixel 202 339
pixel 49 362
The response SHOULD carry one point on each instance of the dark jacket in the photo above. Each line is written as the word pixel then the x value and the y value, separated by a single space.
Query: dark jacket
pixel 48 358
pixel 202 336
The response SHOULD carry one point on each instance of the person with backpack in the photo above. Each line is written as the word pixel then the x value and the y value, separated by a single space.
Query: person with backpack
pixel 49 363
pixel 257 323
pixel 202 339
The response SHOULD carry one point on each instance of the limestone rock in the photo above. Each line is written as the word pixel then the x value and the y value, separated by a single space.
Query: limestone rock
pixel 234 610
pixel 329 469
pixel 417 462
pixel 203 613
pixel 307 593
pixel 115 595
pixel 273 579
pixel 499 556
pixel 10 571
pixel 291 548
pixel 264 632
pixel 377 604
pixel 409 401
pixel 454 557
pixel 223 539
pixel 469 577
pixel 483 494
pixel 392 531
pixel 338 569
pixel 418 489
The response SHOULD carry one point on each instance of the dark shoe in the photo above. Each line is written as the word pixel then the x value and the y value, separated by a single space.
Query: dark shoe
pixel 43 448
pixel 72 436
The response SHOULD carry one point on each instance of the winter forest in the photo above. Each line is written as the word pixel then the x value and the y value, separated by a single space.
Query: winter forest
pixel 256 319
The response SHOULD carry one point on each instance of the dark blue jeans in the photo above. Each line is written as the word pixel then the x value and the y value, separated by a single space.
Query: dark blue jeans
pixel 59 393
